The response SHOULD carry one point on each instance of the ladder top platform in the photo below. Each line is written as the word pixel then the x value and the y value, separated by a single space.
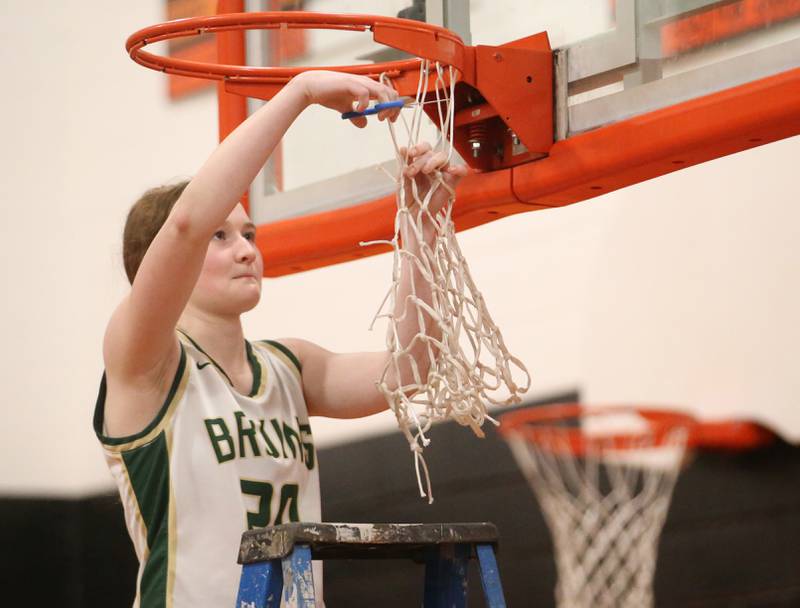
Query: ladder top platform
pixel 356 541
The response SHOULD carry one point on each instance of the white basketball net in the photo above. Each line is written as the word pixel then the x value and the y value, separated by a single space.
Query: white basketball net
pixel 605 512
pixel 471 367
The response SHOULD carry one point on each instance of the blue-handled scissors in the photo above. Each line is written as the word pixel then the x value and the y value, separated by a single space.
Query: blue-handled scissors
pixel 386 105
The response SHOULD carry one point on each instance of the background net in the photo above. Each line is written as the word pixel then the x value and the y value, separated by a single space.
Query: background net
pixel 605 498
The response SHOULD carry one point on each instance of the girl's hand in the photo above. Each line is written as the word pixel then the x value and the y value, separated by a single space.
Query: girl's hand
pixel 346 92
pixel 422 166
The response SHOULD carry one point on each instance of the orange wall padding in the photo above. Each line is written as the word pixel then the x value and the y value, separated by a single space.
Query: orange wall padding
pixel 721 22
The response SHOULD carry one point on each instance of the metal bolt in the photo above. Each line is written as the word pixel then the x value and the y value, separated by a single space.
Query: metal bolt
pixel 476 148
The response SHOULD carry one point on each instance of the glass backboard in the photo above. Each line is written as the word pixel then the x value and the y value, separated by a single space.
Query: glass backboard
pixel 614 60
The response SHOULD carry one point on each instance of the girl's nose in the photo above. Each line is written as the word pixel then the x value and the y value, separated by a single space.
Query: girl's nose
pixel 246 251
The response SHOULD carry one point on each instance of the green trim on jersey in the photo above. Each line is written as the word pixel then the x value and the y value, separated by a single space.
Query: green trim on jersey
pixel 255 365
pixel 99 409
pixel 286 352
pixel 148 471
pixel 252 359
pixel 209 357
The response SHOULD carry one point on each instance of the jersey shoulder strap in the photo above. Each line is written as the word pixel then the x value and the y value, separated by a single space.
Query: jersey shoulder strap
pixel 283 353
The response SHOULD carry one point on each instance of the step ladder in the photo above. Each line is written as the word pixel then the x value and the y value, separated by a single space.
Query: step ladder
pixel 276 561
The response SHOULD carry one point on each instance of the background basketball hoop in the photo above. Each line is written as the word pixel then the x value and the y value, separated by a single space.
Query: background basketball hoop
pixel 604 479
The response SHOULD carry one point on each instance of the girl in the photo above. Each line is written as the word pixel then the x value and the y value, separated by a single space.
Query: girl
pixel 207 434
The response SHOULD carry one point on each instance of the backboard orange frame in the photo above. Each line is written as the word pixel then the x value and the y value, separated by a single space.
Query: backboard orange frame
pixel 577 169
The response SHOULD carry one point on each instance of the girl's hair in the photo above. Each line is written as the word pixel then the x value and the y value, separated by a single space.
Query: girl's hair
pixel 145 219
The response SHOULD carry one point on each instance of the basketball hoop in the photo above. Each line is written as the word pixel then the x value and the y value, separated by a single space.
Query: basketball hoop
pixel 604 479
pixel 415 37
pixel 495 108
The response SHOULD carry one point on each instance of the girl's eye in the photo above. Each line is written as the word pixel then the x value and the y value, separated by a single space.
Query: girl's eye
pixel 250 236
pixel 220 234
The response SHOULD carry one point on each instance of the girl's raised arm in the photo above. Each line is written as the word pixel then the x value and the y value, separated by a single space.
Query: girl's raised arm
pixel 140 346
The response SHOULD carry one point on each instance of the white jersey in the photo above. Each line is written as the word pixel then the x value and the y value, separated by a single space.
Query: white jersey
pixel 212 464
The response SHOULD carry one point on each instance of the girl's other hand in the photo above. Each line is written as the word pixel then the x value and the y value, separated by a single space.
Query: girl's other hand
pixel 422 166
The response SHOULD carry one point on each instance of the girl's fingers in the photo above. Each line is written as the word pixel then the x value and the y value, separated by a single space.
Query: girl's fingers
pixel 419 149
pixel 421 159
pixel 388 94
pixel 363 100
pixel 379 91
pixel 417 157
pixel 428 163
pixel 362 89
pixel 359 121
pixel 366 89
pixel 437 161
pixel 458 170
pixel 362 92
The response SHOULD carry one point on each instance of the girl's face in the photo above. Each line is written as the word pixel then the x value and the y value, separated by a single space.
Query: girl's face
pixel 230 281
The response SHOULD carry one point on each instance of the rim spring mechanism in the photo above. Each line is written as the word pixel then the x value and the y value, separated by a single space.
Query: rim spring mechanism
pixel 477 137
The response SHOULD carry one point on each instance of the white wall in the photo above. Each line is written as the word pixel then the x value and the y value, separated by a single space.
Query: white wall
pixel 681 290
pixel 85 132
